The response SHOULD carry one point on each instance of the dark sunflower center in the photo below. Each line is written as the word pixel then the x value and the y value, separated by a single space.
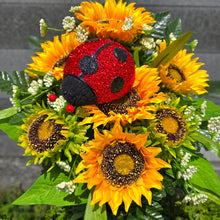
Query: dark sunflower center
pixel 120 106
pixel 60 63
pixel 43 135
pixel 175 73
pixel 122 164
pixel 171 123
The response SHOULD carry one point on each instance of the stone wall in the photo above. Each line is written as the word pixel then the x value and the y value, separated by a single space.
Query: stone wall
pixel 20 18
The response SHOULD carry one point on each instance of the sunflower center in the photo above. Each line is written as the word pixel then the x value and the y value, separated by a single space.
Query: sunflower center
pixel 122 164
pixel 60 63
pixel 173 124
pixel 175 73
pixel 120 106
pixel 43 135
pixel 170 125
pixel 45 130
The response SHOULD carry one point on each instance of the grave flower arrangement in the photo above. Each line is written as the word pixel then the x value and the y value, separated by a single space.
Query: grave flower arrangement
pixel 115 109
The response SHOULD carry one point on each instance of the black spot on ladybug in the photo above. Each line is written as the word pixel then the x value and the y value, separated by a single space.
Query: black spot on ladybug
pixel 77 92
pixel 117 84
pixel 120 54
pixel 88 64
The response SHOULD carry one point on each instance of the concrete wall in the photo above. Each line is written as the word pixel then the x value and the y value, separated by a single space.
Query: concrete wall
pixel 20 18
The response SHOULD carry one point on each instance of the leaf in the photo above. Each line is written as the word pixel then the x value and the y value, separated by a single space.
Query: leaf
pixel 44 191
pixel 136 58
pixel 21 80
pixel 159 28
pixel 152 212
pixel 167 54
pixel 212 110
pixel 5 113
pixel 35 43
pixel 10 130
pixel 213 90
pixel 6 83
pixel 39 73
pixel 94 212
pixel 17 119
pixel 205 179
pixel 175 27
pixel 211 145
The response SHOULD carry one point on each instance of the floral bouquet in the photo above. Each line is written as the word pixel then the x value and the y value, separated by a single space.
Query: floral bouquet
pixel 111 109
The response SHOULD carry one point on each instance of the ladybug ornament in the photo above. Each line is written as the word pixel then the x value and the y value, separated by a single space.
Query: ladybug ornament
pixel 97 72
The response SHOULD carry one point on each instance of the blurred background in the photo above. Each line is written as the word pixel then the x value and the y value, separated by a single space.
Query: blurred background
pixel 20 18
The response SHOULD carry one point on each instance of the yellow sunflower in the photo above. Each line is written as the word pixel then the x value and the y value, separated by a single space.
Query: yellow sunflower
pixel 182 73
pixel 120 167
pixel 138 103
pixel 115 20
pixel 54 55
pixel 171 127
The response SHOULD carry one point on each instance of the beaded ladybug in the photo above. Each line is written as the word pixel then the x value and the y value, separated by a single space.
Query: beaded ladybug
pixel 97 72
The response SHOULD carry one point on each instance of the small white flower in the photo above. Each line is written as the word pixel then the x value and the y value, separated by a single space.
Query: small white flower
pixel 34 87
pixel 64 166
pixel 193 44
pixel 16 104
pixel 48 79
pixel 148 43
pixel 146 27
pixel 172 37
pixel 74 9
pixel 66 187
pixel 203 108
pixel 158 41
pixel 43 27
pixel 58 104
pixel 81 33
pixel 128 23
pixel 199 198
pixel 186 159
pixel 68 23
pixel 188 173
pixel 16 91
pixel 214 124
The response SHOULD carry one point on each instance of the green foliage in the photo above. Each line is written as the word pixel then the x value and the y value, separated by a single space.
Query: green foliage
pixel 175 27
pixel 35 43
pixel 94 212
pixel 6 83
pixel 44 191
pixel 167 54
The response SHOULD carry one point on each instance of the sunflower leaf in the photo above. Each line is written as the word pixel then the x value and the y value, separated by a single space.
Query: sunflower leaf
pixel 8 112
pixel 136 58
pixel 205 180
pixel 211 145
pixel 44 191
pixel 21 80
pixel 167 54
pixel 6 83
pixel 39 73
pixel 159 28
pixel 94 212
pixel 35 43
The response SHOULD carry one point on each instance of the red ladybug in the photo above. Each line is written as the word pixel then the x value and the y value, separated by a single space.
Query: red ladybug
pixel 96 72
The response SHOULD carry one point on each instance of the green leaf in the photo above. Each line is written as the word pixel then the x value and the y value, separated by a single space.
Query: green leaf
pixel 44 191
pixel 211 145
pixel 205 179
pixel 152 212
pixel 136 58
pixel 159 28
pixel 10 130
pixel 35 43
pixel 6 83
pixel 39 73
pixel 8 112
pixel 21 80
pixel 94 212
pixel 175 27
pixel 213 90
pixel 167 54
pixel 212 110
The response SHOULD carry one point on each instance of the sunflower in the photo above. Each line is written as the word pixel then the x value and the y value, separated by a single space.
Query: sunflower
pixel 54 55
pixel 171 127
pixel 115 20
pixel 120 167
pixel 138 103
pixel 182 73
pixel 45 133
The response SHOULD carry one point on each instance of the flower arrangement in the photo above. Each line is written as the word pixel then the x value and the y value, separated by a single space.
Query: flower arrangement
pixel 114 110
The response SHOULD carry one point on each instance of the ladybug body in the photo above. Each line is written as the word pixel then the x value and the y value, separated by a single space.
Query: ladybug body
pixel 97 72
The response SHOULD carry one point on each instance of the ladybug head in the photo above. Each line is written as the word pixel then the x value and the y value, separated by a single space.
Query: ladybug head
pixel 97 72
